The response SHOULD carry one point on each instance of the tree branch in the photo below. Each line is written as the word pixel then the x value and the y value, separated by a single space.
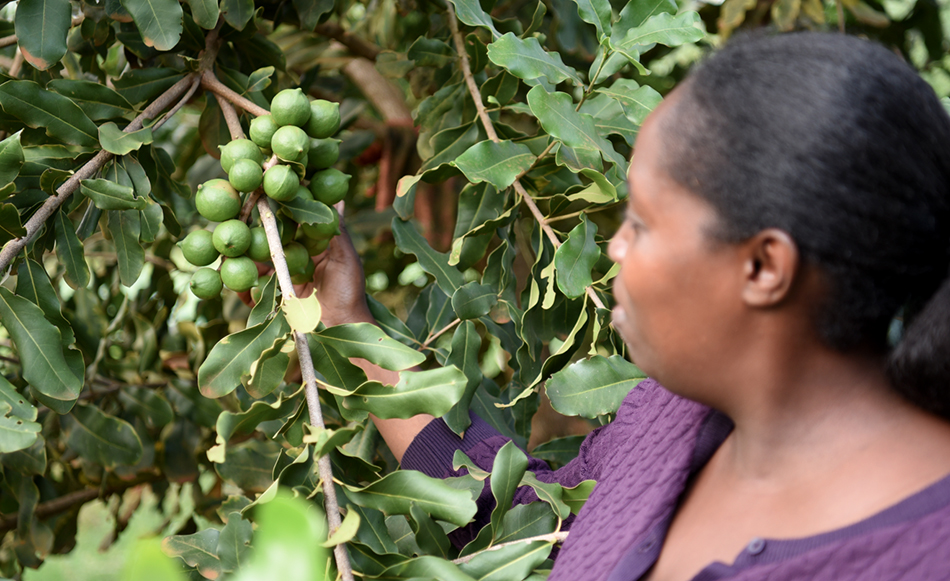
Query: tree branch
pixel 310 381
pixel 355 44
pixel 230 117
pixel 490 131
pixel 550 537
pixel 211 82
pixel 36 222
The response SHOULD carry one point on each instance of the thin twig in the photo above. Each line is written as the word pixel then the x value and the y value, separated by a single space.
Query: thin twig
pixel 439 333
pixel 7 40
pixel 310 381
pixel 490 131
pixel 17 64
pixel 578 213
pixel 211 82
pixel 36 222
pixel 558 537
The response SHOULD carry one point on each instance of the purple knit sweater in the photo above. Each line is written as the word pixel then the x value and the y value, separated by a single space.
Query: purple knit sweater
pixel 642 462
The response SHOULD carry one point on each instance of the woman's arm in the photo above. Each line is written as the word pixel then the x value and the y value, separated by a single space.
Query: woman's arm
pixel 340 286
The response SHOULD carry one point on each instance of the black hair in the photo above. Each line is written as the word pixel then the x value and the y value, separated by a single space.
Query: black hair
pixel 839 143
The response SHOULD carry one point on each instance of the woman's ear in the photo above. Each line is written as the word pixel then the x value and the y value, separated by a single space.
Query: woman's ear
pixel 771 261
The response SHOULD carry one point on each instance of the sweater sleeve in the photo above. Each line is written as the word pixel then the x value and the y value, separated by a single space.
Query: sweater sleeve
pixel 432 450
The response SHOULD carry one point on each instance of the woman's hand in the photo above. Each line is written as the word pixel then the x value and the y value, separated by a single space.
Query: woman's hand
pixel 339 283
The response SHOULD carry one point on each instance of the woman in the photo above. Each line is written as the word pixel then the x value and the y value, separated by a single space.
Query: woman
pixel 787 201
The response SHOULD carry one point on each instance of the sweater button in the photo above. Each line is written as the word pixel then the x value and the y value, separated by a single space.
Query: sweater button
pixel 756 546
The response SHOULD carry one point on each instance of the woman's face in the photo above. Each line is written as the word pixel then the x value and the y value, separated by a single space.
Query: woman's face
pixel 678 296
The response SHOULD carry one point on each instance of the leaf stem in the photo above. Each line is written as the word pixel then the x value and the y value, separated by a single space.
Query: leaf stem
pixel 310 381
pixel 439 333
pixel 557 537
pixel 230 117
pixel 36 222
pixel 490 131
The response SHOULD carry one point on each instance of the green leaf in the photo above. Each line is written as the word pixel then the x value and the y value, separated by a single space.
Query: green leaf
pixel 38 343
pixel 525 59
pixel 118 142
pixel 470 12
pixel 198 550
pixel 372 531
pixel 325 441
pixel 396 492
pixel 474 300
pixel 101 438
pixel 558 451
pixel 230 425
pixel 430 537
pixel 11 158
pixel 593 387
pixel 636 12
pixel 158 21
pixel 433 391
pixel 346 531
pixel 107 195
pixel 34 285
pixel 368 342
pixel 267 373
pixel 231 358
pixel 148 404
pixel 140 85
pixel 16 432
pixel 28 461
pixel 506 474
pixel 515 561
pixel 205 12
pixel 237 13
pixel 311 11
pixel 97 101
pixel 335 368
pixel 69 249
pixel 576 496
pixel 425 567
pixel 38 108
pixel 496 163
pixel 41 27
pixel 266 304
pixel 576 257
pixel 466 343
pixel 662 28
pixel 303 315
pixel 248 466
pixel 430 52
pixel 305 211
pixel 435 263
pixel 556 113
pixel 596 12
pixel 601 191
pixel 447 145
pixel 234 542
pixel 636 101
pixel 549 493
pixel 17 405
pixel 151 217
pixel 526 520
pixel 259 79
pixel 126 227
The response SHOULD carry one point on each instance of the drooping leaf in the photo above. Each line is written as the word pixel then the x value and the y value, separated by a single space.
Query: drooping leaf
pixel 101 438
pixel 41 27
pixel 429 536
pixel 34 285
pixel 126 227
pixel 97 101
pixel 525 59
pixel 39 347
pixel 205 12
pixel 435 263
pixel 158 21
pixel 506 474
pixel 576 257
pixel 345 532
pixel 466 343
pixel 593 387
pixel 396 492
pixel 108 195
pixel 237 13
pixel 38 108
pixel 596 12
pixel 116 141
pixel 70 252
pixel 231 358
pixel 470 12
pixel 496 163
pixel 433 391
pixel 11 158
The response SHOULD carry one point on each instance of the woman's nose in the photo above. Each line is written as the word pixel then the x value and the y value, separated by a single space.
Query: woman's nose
pixel 617 247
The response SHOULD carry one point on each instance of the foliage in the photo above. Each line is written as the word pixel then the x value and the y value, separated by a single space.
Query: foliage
pixel 482 230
